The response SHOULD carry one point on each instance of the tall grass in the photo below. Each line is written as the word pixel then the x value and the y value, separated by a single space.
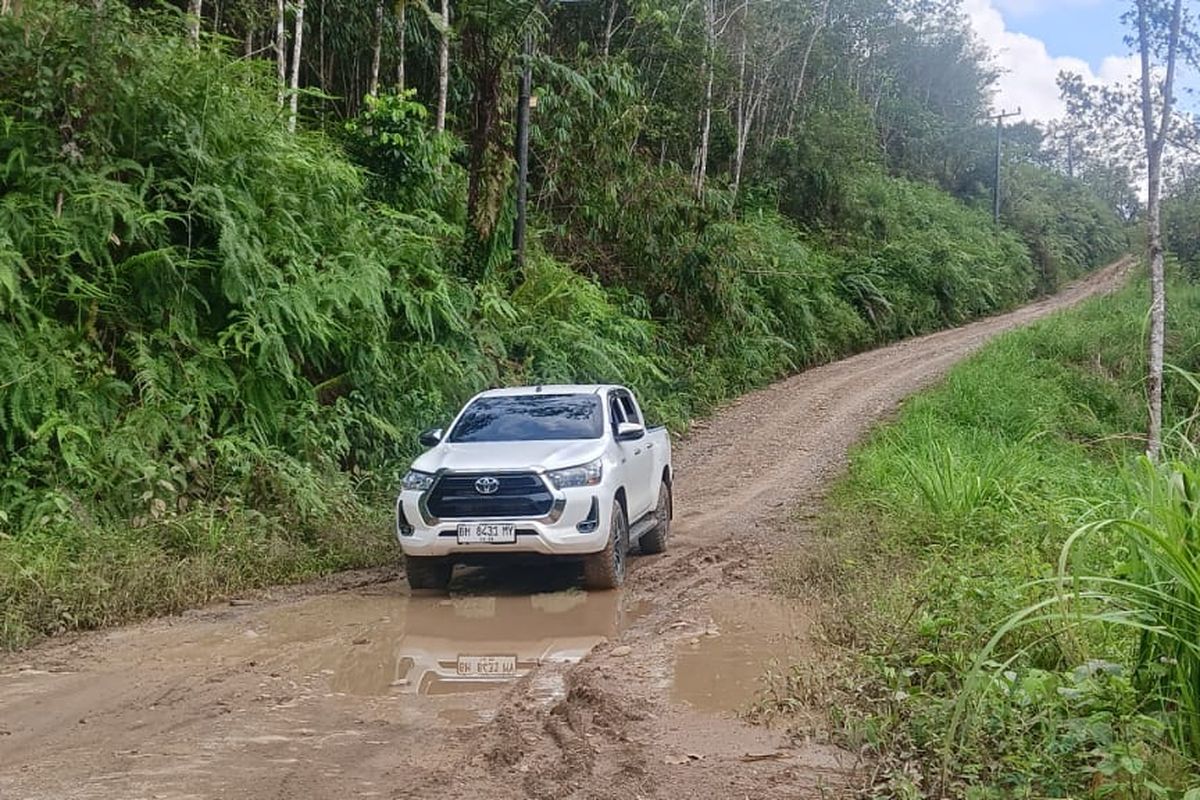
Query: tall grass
pixel 954 489
pixel 1012 499
pixel 1154 593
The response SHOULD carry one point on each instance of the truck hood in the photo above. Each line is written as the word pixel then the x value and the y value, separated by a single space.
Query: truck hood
pixel 484 456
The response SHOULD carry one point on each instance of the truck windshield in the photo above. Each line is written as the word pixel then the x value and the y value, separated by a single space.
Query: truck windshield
pixel 531 418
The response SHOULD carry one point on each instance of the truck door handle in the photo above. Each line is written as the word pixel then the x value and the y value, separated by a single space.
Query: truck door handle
pixel 650 446
pixel 637 452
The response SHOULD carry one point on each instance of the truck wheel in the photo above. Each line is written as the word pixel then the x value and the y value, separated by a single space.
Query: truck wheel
pixel 426 572
pixel 606 569
pixel 655 540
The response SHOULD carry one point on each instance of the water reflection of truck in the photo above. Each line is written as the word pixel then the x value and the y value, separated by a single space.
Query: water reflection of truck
pixel 464 644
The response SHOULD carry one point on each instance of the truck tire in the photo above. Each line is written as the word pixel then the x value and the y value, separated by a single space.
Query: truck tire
pixel 426 572
pixel 606 569
pixel 655 540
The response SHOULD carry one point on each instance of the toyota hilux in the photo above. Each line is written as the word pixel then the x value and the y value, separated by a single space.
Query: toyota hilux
pixel 566 471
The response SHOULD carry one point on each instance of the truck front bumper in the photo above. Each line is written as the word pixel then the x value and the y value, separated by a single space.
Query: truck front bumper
pixel 579 524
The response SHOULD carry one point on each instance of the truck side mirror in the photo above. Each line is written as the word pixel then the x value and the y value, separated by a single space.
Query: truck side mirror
pixel 630 431
pixel 431 437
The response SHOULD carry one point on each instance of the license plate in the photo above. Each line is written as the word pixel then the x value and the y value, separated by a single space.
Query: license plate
pixel 487 533
pixel 487 666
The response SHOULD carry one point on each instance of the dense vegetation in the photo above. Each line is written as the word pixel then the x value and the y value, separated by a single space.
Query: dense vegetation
pixel 1089 687
pixel 218 337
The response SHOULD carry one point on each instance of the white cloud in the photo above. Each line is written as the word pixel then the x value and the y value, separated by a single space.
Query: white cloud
pixel 1028 69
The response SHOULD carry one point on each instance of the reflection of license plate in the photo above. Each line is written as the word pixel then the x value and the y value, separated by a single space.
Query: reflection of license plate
pixel 487 533
pixel 485 666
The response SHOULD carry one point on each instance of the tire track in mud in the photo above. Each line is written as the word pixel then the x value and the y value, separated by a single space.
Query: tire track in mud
pixel 301 695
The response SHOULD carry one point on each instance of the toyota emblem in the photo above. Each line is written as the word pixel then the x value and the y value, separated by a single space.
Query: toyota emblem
pixel 487 485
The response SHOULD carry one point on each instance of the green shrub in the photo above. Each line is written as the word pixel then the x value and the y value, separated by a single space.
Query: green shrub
pixel 408 166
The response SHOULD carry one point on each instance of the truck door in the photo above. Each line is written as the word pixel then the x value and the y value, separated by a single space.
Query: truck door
pixel 639 459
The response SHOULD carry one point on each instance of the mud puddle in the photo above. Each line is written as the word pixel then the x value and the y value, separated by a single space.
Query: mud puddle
pixel 722 668
pixel 403 645
pixel 368 645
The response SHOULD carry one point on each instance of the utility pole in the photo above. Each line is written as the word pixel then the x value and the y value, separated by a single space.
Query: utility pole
pixel 526 89
pixel 1003 115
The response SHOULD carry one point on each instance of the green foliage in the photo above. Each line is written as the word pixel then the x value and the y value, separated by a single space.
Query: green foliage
pixel 1067 227
pixel 1154 593
pixel 408 166
pixel 970 497
pixel 1181 224
pixel 206 317
pixel 917 261
pixel 954 491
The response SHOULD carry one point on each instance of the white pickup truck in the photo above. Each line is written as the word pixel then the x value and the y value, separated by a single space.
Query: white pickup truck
pixel 569 471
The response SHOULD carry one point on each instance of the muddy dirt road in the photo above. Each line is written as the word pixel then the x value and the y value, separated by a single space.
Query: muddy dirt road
pixel 352 688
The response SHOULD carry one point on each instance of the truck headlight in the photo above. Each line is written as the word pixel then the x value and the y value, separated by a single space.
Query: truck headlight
pixel 417 481
pixel 588 474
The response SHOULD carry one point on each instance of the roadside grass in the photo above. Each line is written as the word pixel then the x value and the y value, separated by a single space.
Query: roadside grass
pixel 951 520
pixel 72 577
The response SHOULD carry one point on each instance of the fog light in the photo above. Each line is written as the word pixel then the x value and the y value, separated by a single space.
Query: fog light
pixel 592 520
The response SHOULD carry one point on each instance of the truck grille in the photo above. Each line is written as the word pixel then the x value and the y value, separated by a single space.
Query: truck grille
pixel 518 495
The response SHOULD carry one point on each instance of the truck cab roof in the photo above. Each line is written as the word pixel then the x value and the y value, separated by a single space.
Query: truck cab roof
pixel 552 388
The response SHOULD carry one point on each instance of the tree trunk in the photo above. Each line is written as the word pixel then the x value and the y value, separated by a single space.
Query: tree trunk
pixel 741 121
pixel 400 33
pixel 700 168
pixel 297 50
pixel 1156 140
pixel 376 49
pixel 488 164
pixel 280 48
pixel 609 23
pixel 1158 316
pixel 248 41
pixel 443 68
pixel 808 48
pixel 195 8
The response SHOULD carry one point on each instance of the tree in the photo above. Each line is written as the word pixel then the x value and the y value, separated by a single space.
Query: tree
pixel 814 34
pixel 1156 127
pixel 195 8
pixel 280 48
pixel 297 46
pixel 400 33
pixel 700 167
pixel 1101 135
pixel 443 67
pixel 757 63
pixel 376 50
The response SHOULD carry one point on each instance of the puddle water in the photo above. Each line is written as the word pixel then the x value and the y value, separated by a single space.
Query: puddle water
pixel 438 646
pixel 722 670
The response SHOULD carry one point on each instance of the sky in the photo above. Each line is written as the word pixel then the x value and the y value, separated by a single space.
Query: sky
pixel 1034 40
